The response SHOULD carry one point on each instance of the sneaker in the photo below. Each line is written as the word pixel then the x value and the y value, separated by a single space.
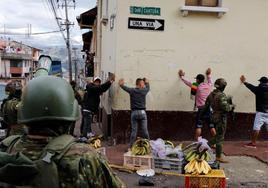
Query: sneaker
pixel 250 145
pixel 89 135
pixel 82 139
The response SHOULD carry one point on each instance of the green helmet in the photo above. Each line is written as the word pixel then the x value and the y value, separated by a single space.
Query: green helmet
pixel 220 83
pixel 47 98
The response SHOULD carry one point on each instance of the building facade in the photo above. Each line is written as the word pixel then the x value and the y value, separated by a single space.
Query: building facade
pixel 156 38
pixel 18 60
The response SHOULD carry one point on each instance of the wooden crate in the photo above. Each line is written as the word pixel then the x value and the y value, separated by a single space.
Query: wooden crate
pixel 192 2
pixel 209 3
pixel 168 165
pixel 215 179
pixel 101 151
pixel 138 161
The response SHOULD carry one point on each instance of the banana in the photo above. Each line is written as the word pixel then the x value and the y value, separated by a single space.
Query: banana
pixel 202 167
pixel 168 142
pixel 203 156
pixel 141 147
pixel 189 154
pixel 197 167
pixel 208 157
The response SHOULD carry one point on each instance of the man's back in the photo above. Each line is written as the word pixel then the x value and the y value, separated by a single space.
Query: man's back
pixel 92 96
pixel 261 92
pixel 80 166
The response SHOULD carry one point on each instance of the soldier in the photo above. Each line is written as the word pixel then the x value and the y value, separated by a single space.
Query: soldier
pixel 9 108
pixel 48 109
pixel 218 101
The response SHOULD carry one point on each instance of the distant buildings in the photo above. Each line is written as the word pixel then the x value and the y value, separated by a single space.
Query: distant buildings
pixel 17 60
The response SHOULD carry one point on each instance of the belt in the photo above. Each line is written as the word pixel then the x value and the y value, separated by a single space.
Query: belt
pixel 84 110
pixel 138 110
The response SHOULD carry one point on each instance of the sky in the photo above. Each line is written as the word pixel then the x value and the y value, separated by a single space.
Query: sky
pixel 15 15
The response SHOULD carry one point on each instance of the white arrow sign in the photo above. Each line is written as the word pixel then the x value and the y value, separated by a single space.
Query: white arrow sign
pixel 148 24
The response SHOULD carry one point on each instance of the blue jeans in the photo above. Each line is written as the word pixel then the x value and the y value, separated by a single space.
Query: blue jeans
pixel 87 119
pixel 138 116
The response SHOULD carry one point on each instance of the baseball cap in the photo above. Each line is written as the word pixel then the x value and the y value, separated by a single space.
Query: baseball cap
pixel 263 79
pixel 97 78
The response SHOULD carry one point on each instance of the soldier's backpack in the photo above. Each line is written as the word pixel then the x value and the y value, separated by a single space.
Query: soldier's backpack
pixel 18 171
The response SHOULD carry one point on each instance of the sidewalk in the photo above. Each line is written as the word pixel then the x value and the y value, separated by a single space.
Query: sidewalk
pixel 241 171
pixel 236 148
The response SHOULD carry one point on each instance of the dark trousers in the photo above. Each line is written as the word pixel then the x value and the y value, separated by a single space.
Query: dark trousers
pixel 86 125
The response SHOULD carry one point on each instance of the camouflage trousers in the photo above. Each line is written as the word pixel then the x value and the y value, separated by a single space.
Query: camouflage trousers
pixel 218 139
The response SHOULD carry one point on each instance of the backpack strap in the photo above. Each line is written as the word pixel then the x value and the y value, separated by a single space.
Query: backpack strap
pixel 9 142
pixel 57 147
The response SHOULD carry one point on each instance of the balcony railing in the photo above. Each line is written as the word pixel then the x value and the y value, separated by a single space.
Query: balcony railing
pixel 15 56
pixel 16 70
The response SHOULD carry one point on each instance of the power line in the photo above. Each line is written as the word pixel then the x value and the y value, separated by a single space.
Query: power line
pixel 39 33
pixel 67 23
pixel 56 17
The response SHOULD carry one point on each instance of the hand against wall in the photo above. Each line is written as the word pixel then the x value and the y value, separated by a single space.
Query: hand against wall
pixel 208 71
pixel 121 82
pixel 181 73
pixel 242 79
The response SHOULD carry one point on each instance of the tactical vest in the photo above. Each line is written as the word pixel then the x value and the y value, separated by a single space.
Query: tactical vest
pixel 214 101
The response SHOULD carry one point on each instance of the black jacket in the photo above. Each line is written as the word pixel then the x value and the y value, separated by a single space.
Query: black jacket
pixel 261 93
pixel 92 96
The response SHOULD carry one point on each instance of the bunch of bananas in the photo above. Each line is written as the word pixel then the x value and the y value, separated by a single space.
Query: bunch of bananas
pixel 141 147
pixel 95 143
pixel 194 154
pixel 169 143
pixel 197 166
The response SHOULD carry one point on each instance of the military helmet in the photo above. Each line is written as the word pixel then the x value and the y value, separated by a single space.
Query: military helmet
pixel 47 98
pixel 10 87
pixel 220 83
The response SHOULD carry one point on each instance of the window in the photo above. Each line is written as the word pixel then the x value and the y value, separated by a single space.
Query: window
pixel 203 6
pixel 15 63
pixel 206 3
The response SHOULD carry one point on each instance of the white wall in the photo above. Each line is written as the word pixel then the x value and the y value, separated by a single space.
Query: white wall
pixel 233 45
pixel 108 50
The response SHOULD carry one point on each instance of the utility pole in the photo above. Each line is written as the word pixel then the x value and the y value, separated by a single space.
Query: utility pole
pixel 75 65
pixel 67 24
pixel 68 42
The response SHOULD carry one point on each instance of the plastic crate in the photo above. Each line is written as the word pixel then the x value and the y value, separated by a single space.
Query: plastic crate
pixel 101 151
pixel 168 165
pixel 138 161
pixel 215 179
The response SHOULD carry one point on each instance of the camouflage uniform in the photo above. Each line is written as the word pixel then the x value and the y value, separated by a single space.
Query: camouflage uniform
pixel 218 101
pixel 10 107
pixel 93 170
pixel 10 117
pixel 48 109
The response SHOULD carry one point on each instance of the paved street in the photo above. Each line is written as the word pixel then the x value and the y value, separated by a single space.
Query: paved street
pixel 241 172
